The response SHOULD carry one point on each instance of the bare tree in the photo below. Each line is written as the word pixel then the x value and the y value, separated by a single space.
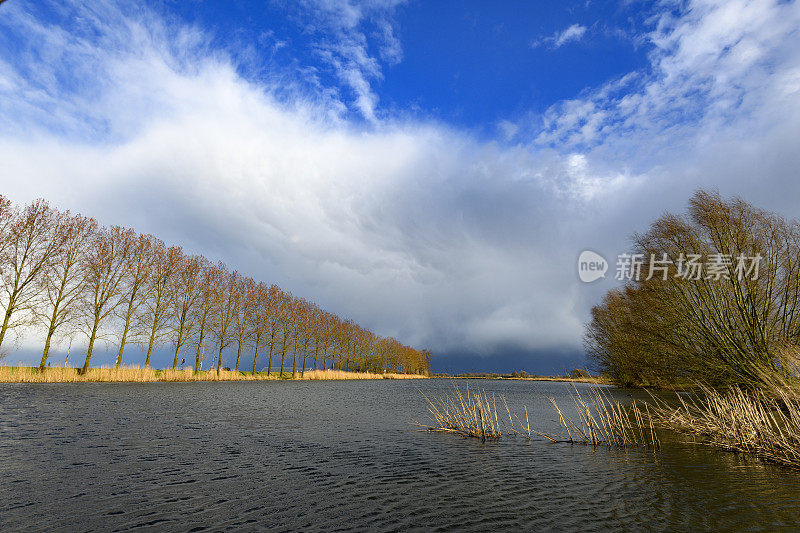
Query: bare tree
pixel 63 281
pixel 244 327
pixel 288 325
pixel 7 217
pixel 188 292
pixel 105 267
pixel 33 242
pixel 260 320
pixel 205 311
pixel 275 310
pixel 161 293
pixel 226 303
pixel 137 254
pixel 308 327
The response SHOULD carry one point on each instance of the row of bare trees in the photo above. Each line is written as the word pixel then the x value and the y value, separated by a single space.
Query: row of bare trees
pixel 65 275
pixel 721 326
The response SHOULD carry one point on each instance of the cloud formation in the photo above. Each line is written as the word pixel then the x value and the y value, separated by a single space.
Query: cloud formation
pixel 352 38
pixel 414 229
pixel 575 32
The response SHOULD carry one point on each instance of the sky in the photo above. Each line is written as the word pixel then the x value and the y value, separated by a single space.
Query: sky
pixel 431 170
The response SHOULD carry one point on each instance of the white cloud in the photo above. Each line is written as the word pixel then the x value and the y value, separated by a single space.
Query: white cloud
pixel 343 29
pixel 414 229
pixel 574 32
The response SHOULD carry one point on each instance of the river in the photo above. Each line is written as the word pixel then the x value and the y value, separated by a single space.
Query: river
pixel 344 455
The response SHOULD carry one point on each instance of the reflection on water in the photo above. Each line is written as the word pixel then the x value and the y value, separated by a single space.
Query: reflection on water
pixel 343 455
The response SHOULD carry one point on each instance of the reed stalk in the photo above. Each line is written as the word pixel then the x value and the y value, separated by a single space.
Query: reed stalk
pixel 764 423
pixel 600 421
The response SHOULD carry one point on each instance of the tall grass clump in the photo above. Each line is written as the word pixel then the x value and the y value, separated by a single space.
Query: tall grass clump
pixel 764 423
pixel 473 414
pixel 599 420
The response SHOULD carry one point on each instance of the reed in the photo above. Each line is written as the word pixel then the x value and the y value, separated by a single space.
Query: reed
pixel 23 374
pixel 342 374
pixel 471 414
pixel 600 421
pixel 603 421
pixel 764 423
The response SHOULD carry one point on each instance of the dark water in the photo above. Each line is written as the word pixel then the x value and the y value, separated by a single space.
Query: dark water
pixel 342 455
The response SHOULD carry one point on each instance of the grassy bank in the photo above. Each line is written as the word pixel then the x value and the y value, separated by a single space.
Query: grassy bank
pixel 25 374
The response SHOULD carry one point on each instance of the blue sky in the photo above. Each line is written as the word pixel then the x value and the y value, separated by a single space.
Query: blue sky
pixel 430 169
pixel 470 64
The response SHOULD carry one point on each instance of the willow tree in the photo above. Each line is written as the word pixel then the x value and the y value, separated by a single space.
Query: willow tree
pixel 63 281
pixel 725 325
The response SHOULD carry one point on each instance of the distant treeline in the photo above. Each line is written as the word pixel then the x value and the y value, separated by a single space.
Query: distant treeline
pixel 716 326
pixel 65 275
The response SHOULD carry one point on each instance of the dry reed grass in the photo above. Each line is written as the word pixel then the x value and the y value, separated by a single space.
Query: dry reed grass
pixel 600 420
pixel 474 414
pixel 765 423
pixel 341 374
pixel 22 374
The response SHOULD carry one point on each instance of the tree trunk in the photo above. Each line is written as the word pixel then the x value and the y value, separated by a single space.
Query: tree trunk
pixel 177 351
pixel 269 364
pixel 197 355
pixel 122 342
pixel 255 357
pixel 219 359
pixel 51 330
pixel 89 349
pixel 149 352
pixel 6 320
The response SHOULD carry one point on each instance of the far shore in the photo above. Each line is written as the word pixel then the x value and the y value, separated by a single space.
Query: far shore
pixel 27 374
pixel 595 380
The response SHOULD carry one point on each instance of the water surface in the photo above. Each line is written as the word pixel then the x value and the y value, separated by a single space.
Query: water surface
pixel 343 455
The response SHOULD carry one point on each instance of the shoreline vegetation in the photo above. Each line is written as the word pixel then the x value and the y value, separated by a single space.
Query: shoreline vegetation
pixel 576 376
pixel 134 374
pixel 693 320
pixel 594 380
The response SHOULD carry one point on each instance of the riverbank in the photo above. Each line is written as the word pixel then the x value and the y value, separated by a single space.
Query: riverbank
pixel 595 380
pixel 26 374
